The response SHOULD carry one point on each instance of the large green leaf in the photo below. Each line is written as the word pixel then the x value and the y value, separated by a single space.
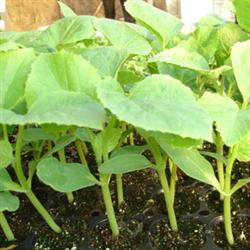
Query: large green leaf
pixel 182 58
pixel 14 69
pixel 6 155
pixel 68 30
pixel 61 89
pixel 231 122
pixel 158 103
pixel 122 36
pixel 163 25
pixel 124 163
pixel 107 60
pixel 8 202
pixel 242 8
pixel 64 177
pixel 244 149
pixel 241 66
pixel 193 164
pixel 66 108
pixel 6 183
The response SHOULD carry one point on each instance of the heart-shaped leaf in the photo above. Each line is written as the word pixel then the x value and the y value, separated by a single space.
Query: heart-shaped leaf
pixel 162 24
pixel 6 183
pixel 158 103
pixel 61 89
pixel 127 38
pixel 68 30
pixel 64 177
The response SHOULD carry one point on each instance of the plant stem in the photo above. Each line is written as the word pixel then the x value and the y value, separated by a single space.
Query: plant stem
pixel 160 166
pixel 119 187
pixel 109 205
pixel 227 199
pixel 22 179
pixel 173 180
pixel 49 145
pixel 131 139
pixel 6 228
pixel 168 199
pixel 220 167
pixel 62 158
pixel 81 153
pixel 5 133
pixel 43 212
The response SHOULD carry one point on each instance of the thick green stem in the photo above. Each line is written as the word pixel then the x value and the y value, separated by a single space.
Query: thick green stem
pixel 5 133
pixel 109 205
pixel 173 179
pixel 43 212
pixel 6 228
pixel 160 166
pixel 131 139
pixel 227 199
pixel 22 179
pixel 220 166
pixel 168 199
pixel 80 151
pixel 119 187
pixel 62 158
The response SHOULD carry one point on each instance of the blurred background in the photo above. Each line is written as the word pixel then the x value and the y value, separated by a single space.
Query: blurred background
pixel 23 15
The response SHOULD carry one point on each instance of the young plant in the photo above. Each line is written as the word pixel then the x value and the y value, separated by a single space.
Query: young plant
pixel 151 105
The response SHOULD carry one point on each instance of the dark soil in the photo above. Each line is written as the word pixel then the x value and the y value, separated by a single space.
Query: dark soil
pixel 191 235
pixel 239 200
pixel 186 201
pixel 131 237
pixel 241 232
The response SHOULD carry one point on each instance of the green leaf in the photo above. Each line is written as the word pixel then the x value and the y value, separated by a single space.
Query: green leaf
pixel 243 153
pixel 158 103
pixel 14 69
pixel 126 163
pixel 232 123
pixel 107 60
pixel 182 58
pixel 8 202
pixel 241 67
pixel 193 164
pixel 61 143
pixel 242 8
pixel 6 183
pixel 37 134
pixel 108 138
pixel 6 155
pixel 127 38
pixel 175 140
pixel 68 30
pixel 162 24
pixel 215 156
pixel 61 89
pixel 66 10
pixel 129 150
pixel 64 177
pixel 240 183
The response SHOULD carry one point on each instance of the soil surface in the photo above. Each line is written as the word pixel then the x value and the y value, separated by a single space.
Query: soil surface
pixel 191 235
pixel 241 232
